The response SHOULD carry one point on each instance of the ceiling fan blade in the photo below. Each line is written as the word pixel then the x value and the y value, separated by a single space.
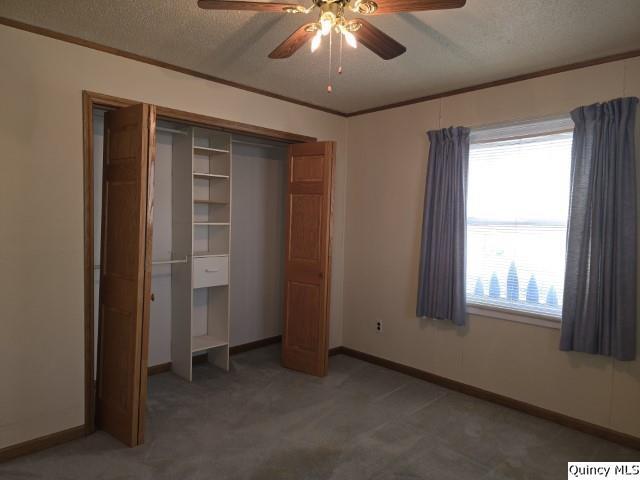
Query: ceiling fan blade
pixel 377 41
pixel 292 44
pixel 248 6
pixel 395 6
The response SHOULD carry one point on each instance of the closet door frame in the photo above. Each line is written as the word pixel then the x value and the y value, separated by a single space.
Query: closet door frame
pixel 91 101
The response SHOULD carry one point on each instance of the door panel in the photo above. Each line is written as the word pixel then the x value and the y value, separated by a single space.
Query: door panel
pixel 129 153
pixel 308 257
pixel 307 168
pixel 306 227
pixel 304 302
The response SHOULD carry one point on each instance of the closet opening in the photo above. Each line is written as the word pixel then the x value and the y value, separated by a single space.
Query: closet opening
pixel 231 230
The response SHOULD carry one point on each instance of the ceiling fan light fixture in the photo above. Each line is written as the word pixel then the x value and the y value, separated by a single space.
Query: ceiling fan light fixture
pixel 315 42
pixel 327 21
pixel 350 38
pixel 331 18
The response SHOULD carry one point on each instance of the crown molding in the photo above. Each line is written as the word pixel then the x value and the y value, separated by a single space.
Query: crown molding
pixel 504 81
pixel 448 93
pixel 158 63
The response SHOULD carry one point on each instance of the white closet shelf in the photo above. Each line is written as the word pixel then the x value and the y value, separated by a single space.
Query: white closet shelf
pixel 201 343
pixel 211 224
pixel 210 202
pixel 209 175
pixel 209 150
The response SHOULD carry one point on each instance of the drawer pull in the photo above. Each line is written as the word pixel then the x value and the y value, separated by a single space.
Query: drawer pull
pixel 211 270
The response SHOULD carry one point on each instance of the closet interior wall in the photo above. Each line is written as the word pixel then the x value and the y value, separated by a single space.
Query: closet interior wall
pixel 208 218
pixel 257 239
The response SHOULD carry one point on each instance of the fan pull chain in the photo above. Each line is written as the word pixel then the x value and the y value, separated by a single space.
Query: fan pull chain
pixel 329 87
pixel 340 59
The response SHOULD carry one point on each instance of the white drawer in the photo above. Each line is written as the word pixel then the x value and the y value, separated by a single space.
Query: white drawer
pixel 210 271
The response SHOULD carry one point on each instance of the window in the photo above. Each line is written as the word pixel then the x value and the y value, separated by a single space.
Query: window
pixel 517 210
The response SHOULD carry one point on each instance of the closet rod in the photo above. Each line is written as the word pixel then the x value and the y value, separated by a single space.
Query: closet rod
pixel 170 130
pixel 256 144
pixel 167 262
pixel 162 262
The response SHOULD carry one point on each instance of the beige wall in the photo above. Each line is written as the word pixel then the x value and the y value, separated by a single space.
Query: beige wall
pixel 387 167
pixel 41 209
pixel 41 232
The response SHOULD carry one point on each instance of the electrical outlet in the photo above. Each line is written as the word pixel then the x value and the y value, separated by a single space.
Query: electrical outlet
pixel 378 326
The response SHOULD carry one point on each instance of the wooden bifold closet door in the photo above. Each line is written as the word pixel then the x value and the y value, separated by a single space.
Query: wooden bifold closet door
pixel 308 257
pixel 125 277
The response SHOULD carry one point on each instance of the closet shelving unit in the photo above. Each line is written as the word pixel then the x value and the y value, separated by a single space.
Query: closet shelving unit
pixel 201 230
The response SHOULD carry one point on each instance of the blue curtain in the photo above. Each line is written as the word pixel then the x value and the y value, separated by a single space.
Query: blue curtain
pixel 441 282
pixel 599 309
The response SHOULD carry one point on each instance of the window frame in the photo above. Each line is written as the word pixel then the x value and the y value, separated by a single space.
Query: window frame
pixel 512 315
pixel 513 131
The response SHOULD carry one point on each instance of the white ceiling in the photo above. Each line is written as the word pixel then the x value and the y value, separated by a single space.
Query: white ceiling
pixel 484 41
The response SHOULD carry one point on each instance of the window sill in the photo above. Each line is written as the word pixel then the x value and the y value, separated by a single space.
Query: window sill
pixel 514 316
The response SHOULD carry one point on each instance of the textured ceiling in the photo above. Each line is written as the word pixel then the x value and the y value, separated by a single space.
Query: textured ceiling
pixel 484 41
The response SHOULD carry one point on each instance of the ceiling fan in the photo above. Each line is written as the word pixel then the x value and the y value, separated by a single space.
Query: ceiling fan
pixel 331 18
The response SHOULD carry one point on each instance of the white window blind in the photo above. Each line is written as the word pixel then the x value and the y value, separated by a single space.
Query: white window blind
pixel 517 209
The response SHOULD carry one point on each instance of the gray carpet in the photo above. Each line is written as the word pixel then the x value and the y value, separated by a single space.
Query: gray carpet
pixel 360 422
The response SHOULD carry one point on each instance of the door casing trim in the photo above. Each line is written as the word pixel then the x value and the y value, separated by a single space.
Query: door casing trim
pixel 91 100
